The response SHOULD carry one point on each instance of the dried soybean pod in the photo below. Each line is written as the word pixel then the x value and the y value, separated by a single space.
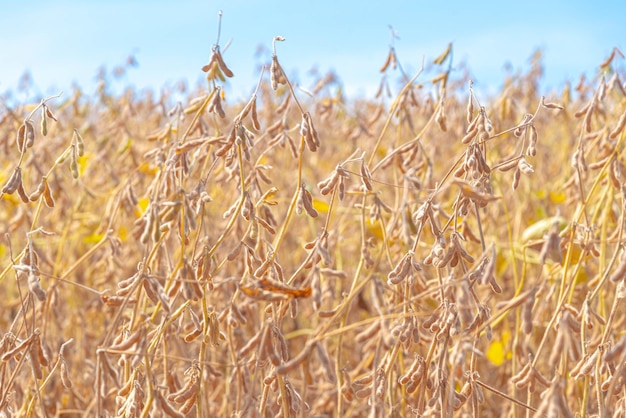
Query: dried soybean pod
pixel 44 121
pixel 35 195
pixel 366 176
pixel 550 105
pixel 470 135
pixel 207 67
pixel 509 165
pixel 74 163
pixel 21 138
pixel 470 108
pixel 532 147
pixel 220 61
pixel 255 117
pixel 34 359
pixel 22 193
pixel 621 123
pixel 80 143
pixel 282 107
pixel 516 178
pixel 47 194
pixel 391 57
pixel 65 376
pixel 13 182
pixel 34 286
pixel 30 133
pixel 167 408
pixel 50 114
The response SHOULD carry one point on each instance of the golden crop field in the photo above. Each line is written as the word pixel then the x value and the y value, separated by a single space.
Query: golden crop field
pixel 425 252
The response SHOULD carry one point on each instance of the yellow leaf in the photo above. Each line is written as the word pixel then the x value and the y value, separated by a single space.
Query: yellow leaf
pixel 93 238
pixel 538 229
pixel 320 206
pixel 123 233
pixel 374 228
pixel 127 145
pixel 540 193
pixel 497 351
pixel 441 58
pixel 148 169
pixel 143 205
pixel 270 194
pixel 557 197
pixel 82 163
pixel 13 198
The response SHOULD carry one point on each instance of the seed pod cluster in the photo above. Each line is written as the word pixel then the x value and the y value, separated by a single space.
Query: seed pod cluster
pixel 14 181
pixel 216 103
pixel 309 133
pixel 403 269
pixel 529 377
pixel 336 179
pixel 277 75
pixel 25 136
pixel 391 60
pixel 216 62
pixel 305 201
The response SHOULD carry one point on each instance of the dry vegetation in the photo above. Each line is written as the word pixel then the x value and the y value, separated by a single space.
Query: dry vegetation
pixel 425 254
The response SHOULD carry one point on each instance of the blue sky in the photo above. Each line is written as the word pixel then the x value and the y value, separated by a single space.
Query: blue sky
pixel 60 42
